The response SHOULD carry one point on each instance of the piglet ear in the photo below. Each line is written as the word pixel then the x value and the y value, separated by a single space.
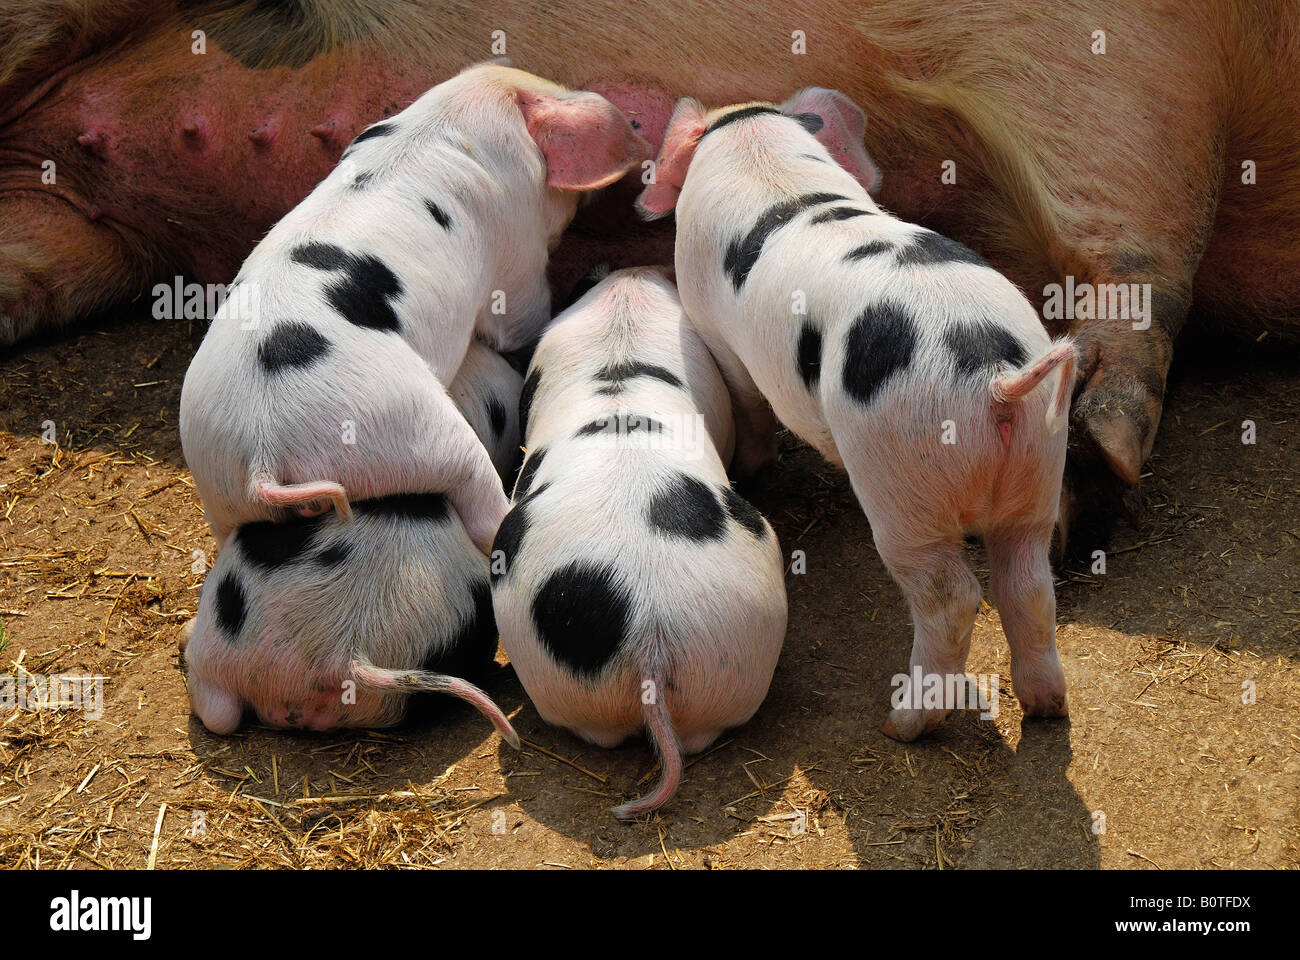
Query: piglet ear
pixel 587 141
pixel 680 139
pixel 838 124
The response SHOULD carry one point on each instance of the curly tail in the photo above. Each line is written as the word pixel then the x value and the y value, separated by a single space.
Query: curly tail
pixel 422 681
pixel 669 748
pixel 1016 386
pixel 307 499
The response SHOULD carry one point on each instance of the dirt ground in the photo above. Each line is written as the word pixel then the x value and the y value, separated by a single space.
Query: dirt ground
pixel 1161 764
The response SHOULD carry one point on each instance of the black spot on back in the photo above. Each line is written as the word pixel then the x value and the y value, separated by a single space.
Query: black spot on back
pixel 363 179
pixel 291 344
pixel 687 508
pixel 742 114
pixel 929 248
pixel 809 121
pixel 979 346
pixel 231 606
pixel 869 249
pixel 744 513
pixel 809 354
pixel 880 343
pixel 378 130
pixel 496 411
pixel 619 424
pixel 509 538
pixel 582 613
pixel 431 507
pixel 841 213
pixel 438 214
pixel 616 375
pixel 528 472
pixel 526 399
pixel 742 254
pixel 269 544
pixel 363 295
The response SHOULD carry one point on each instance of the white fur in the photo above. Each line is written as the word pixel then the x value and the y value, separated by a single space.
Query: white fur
pixel 465 146
pixel 404 592
pixel 920 494
pixel 708 617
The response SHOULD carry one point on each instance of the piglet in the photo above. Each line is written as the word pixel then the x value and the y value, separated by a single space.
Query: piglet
pixel 324 622
pixel 323 376
pixel 632 586
pixel 894 351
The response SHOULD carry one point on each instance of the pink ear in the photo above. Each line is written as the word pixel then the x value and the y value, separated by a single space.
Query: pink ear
pixel 683 133
pixel 587 141
pixel 840 131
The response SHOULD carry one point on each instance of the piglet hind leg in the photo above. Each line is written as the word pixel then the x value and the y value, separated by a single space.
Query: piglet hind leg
pixel 944 597
pixel 456 463
pixel 756 425
pixel 1020 576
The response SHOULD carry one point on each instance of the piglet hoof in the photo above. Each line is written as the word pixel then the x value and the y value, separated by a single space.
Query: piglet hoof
pixel 905 724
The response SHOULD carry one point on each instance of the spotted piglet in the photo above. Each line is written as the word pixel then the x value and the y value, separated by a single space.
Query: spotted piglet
pixel 894 351
pixel 632 586
pixel 323 376
pixel 323 622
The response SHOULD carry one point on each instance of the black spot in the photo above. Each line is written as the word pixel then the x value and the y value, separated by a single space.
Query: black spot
pixel 582 614
pixel 431 507
pixel 742 254
pixel 979 346
pixel 809 121
pixel 619 424
pixel 929 248
pixel 509 538
pixel 743 114
pixel 363 295
pixel 528 472
pixel 496 411
pixel 809 355
pixel 687 508
pixel 334 555
pixel 880 343
pixel 291 344
pixel 635 124
pixel 378 130
pixel 475 645
pixel 438 214
pixel 268 544
pixel 363 180
pixel 869 249
pixel 744 513
pixel 526 400
pixel 616 375
pixel 232 606
pixel 841 213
